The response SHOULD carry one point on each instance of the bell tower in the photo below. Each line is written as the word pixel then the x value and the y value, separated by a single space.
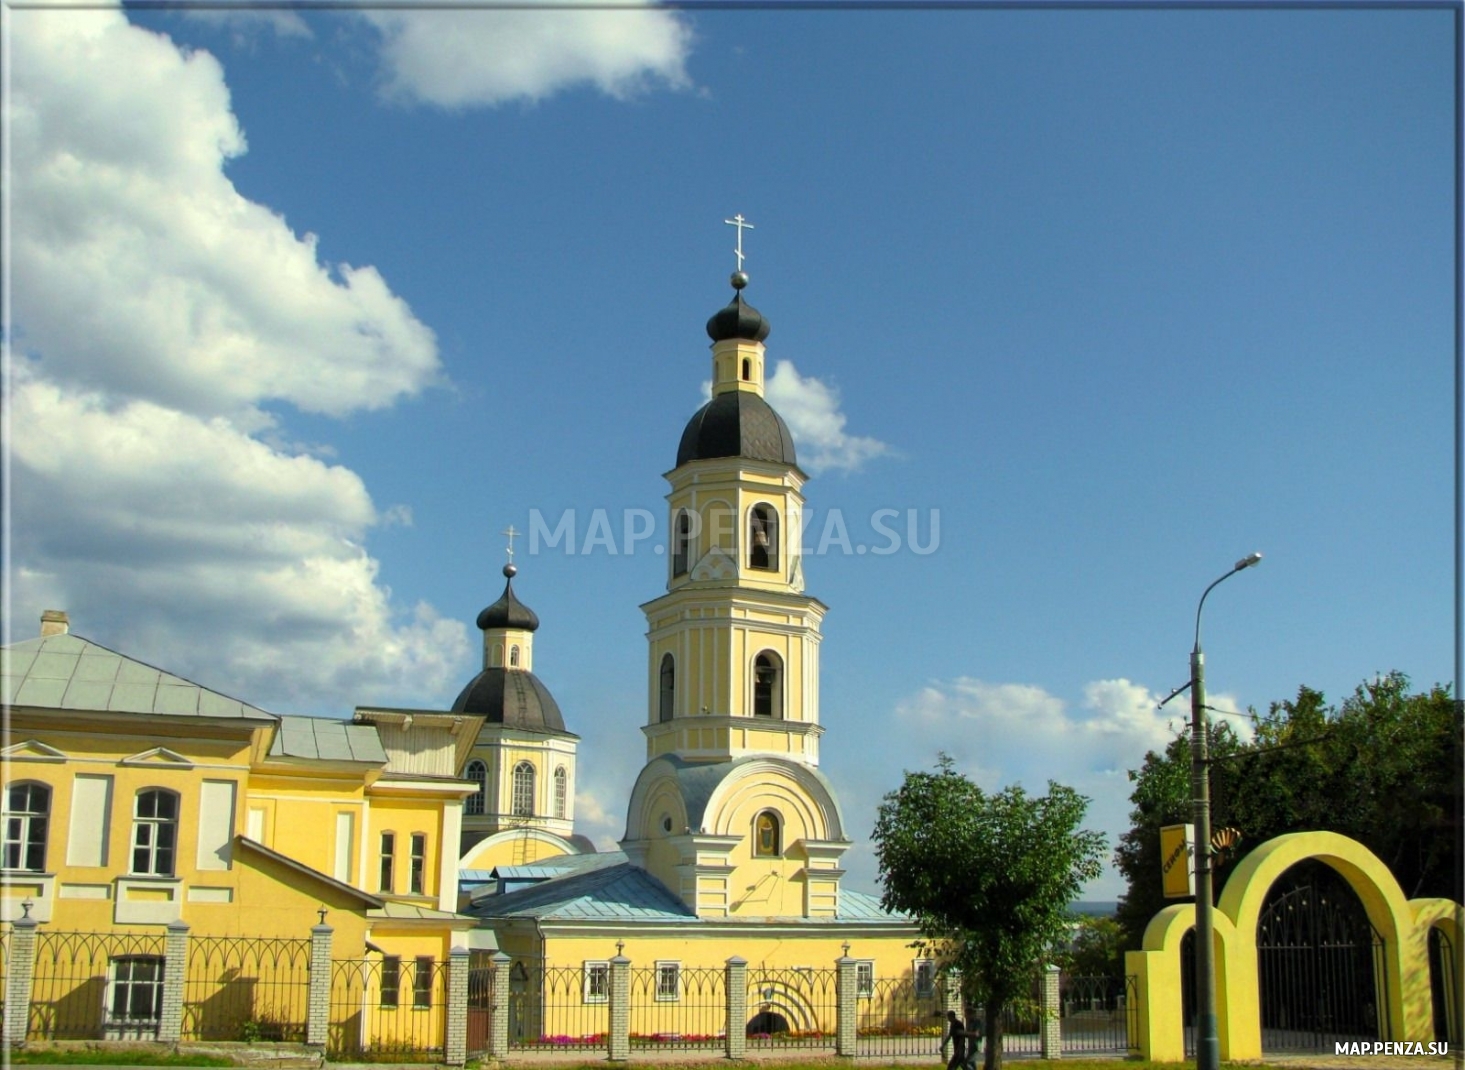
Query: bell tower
pixel 731 811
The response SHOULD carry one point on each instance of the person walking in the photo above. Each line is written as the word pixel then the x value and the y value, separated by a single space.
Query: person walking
pixel 956 1038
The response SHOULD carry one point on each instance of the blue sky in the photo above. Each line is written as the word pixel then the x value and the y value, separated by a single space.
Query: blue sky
pixel 306 308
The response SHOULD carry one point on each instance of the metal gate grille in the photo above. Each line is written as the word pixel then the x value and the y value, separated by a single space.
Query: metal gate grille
pixel 1444 995
pixel 243 988
pixel 96 986
pixel 791 1007
pixel 1320 966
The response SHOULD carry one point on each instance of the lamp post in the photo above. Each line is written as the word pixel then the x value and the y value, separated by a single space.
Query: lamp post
pixel 1207 1039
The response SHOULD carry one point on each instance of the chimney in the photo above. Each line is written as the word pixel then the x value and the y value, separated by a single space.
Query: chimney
pixel 54 622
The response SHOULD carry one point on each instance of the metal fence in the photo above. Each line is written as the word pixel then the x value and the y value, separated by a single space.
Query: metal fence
pixel 387 1006
pixel 481 986
pixel 795 1007
pixel 899 1016
pixel 1022 1022
pixel 676 1008
pixel 1094 1013
pixel 92 986
pixel 559 1007
pixel 246 988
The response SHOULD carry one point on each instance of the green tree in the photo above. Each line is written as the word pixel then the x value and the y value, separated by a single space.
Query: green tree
pixel 987 877
pixel 1096 948
pixel 1383 768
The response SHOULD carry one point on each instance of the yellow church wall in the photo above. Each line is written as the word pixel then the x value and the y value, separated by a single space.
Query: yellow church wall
pixel 510 848
pixel 403 818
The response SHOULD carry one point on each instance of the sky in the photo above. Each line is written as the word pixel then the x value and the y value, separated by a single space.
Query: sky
pixel 305 308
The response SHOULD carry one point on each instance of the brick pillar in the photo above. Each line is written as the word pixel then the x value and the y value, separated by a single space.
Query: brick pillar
pixel 847 996
pixel 175 972
pixel 620 1008
pixel 318 1002
pixel 735 981
pixel 951 995
pixel 498 1025
pixel 19 976
pixel 1052 1027
pixel 455 1044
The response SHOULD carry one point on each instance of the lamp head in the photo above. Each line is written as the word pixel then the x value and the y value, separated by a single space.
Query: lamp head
pixel 1248 561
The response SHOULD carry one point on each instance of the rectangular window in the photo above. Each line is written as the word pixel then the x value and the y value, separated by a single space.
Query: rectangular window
pixel 925 975
pixel 154 832
pixel 864 979
pixel 389 848
pixel 391 981
pixel 668 981
pixel 422 982
pixel 419 863
pixel 597 982
pixel 136 996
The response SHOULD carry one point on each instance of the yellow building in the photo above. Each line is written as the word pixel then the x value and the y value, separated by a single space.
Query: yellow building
pixel 733 836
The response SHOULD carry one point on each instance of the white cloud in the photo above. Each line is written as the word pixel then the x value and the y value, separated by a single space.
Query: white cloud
pixel 811 409
pixel 458 59
pixel 247 23
pixel 156 310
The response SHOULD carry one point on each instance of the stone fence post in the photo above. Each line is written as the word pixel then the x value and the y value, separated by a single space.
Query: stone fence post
pixel 19 977
pixel 847 999
pixel 318 1001
pixel 175 972
pixel 1052 1025
pixel 620 1007
pixel 455 1042
pixel 498 1024
pixel 735 980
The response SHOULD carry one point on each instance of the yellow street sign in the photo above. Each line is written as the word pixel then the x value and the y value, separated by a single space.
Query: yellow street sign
pixel 1177 844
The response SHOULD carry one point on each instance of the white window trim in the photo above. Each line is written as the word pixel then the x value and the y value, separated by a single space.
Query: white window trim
pixel 928 968
pixel 864 978
pixel 668 964
pixel 127 1028
pixel 588 968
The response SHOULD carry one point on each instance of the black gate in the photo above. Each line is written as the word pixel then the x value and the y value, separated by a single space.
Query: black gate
pixel 1320 964
pixel 1443 995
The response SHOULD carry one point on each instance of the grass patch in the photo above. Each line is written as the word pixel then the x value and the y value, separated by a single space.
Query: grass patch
pixel 95 1057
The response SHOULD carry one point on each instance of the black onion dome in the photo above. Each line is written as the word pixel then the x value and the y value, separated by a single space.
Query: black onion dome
pixel 508 611
pixel 511 697
pixel 738 423
pixel 738 320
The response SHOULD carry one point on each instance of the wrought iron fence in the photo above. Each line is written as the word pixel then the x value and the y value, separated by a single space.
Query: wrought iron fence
pixel 1131 1013
pixel 1093 1014
pixel 559 1007
pixel 246 988
pixel 898 1016
pixel 792 1007
pixel 96 986
pixel 678 1008
pixel 1443 993
pixel 1022 1022
pixel 480 1001
pixel 387 1006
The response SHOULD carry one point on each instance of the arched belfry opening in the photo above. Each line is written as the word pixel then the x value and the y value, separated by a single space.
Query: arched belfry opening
pixel 1320 964
pixel 768 685
pixel 763 538
pixel 667 694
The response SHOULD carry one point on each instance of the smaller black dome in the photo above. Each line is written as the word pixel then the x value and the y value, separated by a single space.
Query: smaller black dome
pixel 738 320
pixel 511 697
pixel 508 611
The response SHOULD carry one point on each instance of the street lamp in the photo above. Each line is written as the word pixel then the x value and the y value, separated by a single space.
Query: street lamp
pixel 1207 1039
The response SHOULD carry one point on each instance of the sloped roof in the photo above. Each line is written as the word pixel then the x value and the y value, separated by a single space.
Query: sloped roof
pixel 622 891
pixel 327 739
pixel 861 906
pixel 67 672
pixel 559 866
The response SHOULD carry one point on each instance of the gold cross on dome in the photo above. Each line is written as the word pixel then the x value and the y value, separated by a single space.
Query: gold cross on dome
pixel 742 225
pixel 510 532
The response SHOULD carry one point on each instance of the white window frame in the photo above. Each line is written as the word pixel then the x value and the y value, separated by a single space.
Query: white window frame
pixel 157 828
pixel 417 863
pixel 561 792
pixel 478 773
pixel 523 788
pixel 923 973
pixel 26 830
pixel 668 981
pixel 864 978
pixel 423 967
pixel 595 981
pixel 126 1026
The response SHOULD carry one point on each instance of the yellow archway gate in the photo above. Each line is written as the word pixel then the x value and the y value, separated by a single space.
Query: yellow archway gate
pixel 1402 924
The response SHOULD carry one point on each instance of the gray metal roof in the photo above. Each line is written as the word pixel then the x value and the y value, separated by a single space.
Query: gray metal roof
pixel 67 672
pixel 327 739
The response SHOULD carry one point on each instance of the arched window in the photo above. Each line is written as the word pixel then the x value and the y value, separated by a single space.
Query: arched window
pixel 767 835
pixel 514 656
pixel 767 685
pixel 523 802
pixel 747 370
pixel 478 773
pixel 763 538
pixel 154 832
pixel 561 792
pixel 668 691
pixel 27 809
pixel 680 543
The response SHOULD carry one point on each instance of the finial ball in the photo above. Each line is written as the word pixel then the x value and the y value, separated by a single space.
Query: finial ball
pixel 510 571
pixel 739 279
